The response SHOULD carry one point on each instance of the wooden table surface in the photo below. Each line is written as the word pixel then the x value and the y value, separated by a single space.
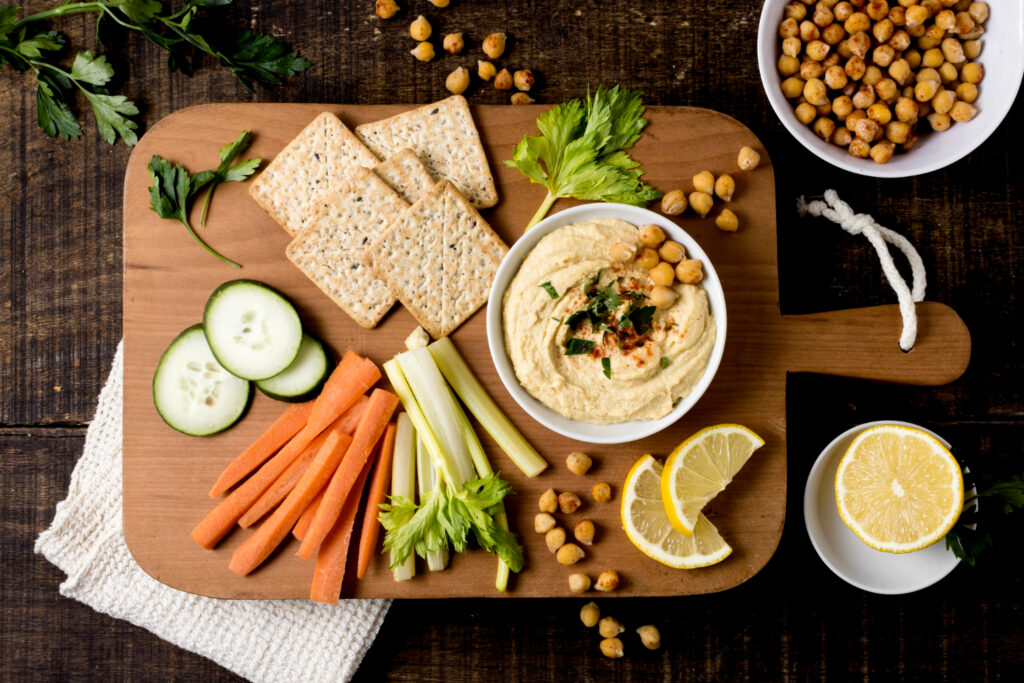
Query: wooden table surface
pixel 60 316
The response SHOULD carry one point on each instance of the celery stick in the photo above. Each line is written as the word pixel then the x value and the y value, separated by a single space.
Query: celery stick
pixel 472 393
pixel 426 480
pixel 439 407
pixel 403 476
pixel 401 386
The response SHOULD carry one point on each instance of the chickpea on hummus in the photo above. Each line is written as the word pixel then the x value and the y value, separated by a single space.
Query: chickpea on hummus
pixel 585 338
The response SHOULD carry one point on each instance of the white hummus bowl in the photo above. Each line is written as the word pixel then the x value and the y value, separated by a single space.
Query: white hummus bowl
pixel 1002 55
pixel 621 432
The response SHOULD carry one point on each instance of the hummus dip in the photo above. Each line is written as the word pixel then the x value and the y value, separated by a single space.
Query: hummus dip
pixel 584 339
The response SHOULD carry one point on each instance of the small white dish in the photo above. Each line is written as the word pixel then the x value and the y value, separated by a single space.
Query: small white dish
pixel 849 557
pixel 584 431
pixel 1002 56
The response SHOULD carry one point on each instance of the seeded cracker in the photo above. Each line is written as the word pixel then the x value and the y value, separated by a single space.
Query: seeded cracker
pixel 406 174
pixel 445 139
pixel 329 250
pixel 310 168
pixel 438 259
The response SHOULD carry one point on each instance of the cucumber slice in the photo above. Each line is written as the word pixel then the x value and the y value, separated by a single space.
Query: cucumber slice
pixel 303 379
pixel 192 392
pixel 252 329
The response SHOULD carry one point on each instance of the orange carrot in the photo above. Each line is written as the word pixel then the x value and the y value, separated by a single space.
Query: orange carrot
pixel 269 535
pixel 277 435
pixel 333 555
pixel 362 374
pixel 302 526
pixel 378 488
pixel 369 431
pixel 347 423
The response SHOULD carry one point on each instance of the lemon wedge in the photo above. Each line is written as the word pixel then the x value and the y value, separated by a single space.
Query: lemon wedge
pixel 648 527
pixel 898 488
pixel 701 467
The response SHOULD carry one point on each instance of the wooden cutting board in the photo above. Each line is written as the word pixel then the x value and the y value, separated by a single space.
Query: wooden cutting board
pixel 168 277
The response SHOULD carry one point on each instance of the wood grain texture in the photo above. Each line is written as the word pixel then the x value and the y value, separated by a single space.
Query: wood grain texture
pixel 794 621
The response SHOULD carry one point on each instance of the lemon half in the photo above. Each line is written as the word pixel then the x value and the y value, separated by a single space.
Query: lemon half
pixel 701 467
pixel 648 527
pixel 899 488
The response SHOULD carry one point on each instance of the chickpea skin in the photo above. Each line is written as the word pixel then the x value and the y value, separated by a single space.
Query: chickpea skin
pixel 494 45
pixel 523 79
pixel 420 29
pixel 690 271
pixel 673 203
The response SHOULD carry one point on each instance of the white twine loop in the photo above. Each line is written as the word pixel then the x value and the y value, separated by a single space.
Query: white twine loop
pixel 838 211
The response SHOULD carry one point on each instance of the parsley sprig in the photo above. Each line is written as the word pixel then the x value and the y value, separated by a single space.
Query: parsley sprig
pixel 173 189
pixel 966 542
pixel 581 151
pixel 252 57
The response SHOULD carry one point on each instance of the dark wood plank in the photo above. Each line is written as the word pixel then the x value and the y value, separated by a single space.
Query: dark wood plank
pixel 60 254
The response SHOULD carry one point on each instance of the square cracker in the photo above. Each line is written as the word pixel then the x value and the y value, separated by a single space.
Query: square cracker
pixel 406 175
pixel 330 249
pixel 438 259
pixel 310 168
pixel 445 139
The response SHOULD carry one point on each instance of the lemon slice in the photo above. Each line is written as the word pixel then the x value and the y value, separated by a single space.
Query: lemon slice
pixel 647 525
pixel 701 467
pixel 898 488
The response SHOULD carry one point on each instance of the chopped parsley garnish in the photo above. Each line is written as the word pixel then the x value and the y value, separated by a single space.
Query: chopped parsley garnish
pixel 578 347
pixel 664 361
pixel 606 366
pixel 641 318
pixel 550 289
pixel 574 320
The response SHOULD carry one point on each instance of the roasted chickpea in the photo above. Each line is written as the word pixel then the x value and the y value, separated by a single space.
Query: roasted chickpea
pixel 872 75
pixel 866 129
pixel 883 55
pixel 823 128
pixel 543 522
pixel 663 274
pixel 673 203
pixel 578 462
pixel 485 70
pixel 939 122
pixel 842 106
pixel 568 502
pixel 609 627
pixel 607 581
pixel 555 539
pixel 704 182
pixel 859 148
pixel 972 49
pixel 809 31
pixel 602 492
pixel 521 98
pixel 855 68
pixel 979 12
pixel 579 583
pixel 913 58
pixel 900 72
pixel 453 43
pixel 548 501
pixel 590 613
pixel 795 10
pixel 822 16
pixel 967 92
pixel 887 90
pixel 859 44
pixel 897 131
pixel 494 45
pixel 842 10
pixel 788 66
pixel 648 258
pixel 864 97
pixel 789 28
pixel 964 23
pixel 817 50
pixel 916 15
pixel 649 636
pixel 702 201
pixel 882 152
pixel 728 221
pixel 386 8
pixel 725 187
pixel 662 297
pixel 900 40
pixel 457 81
pixel 670 251
pixel 423 52
pixel 622 252
pixel 420 29
pixel 842 137
pixel 925 90
pixel 503 80
pixel 523 79
pixel 953 51
pixel 748 159
pixel 943 101
pixel 877 9
pixel 792 87
pixel 811 69
pixel 906 110
pixel 833 34
pixel 963 111
pixel 973 73
pixel 690 271
pixel 584 532
pixel 611 648
pixel 857 22
pixel 569 554
pixel 835 78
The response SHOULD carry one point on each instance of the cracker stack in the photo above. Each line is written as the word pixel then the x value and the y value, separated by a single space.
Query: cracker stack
pixel 444 137
pixel 311 168
pixel 438 259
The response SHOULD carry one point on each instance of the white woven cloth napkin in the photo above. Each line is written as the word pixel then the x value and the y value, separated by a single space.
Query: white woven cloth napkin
pixel 262 640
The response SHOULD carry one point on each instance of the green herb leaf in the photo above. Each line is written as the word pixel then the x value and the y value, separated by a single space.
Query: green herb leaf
pixel 261 57
pixel 578 347
pixel 1009 494
pixel 111 112
pixel 225 172
pixel 580 151
pixel 140 11
pixel 606 367
pixel 91 70
pixel 664 361
pixel 574 320
pixel 48 41
pixel 8 18
pixel 550 289
pixel 641 318
pixel 55 118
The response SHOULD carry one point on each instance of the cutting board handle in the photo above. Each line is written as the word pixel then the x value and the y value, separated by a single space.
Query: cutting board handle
pixel 862 343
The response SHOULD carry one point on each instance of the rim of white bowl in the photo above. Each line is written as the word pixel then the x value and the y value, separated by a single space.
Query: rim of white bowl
pixel 622 432
pixel 982 126
pixel 812 522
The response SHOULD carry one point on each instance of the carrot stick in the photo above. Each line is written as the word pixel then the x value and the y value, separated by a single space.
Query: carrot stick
pixel 369 431
pixel 362 374
pixel 378 488
pixel 333 554
pixel 302 526
pixel 277 435
pixel 269 535
pixel 347 423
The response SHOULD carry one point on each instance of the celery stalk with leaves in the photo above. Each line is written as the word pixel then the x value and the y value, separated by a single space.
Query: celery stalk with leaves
pixel 581 151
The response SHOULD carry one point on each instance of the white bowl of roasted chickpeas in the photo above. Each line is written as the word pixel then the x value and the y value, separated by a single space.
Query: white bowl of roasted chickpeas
pixel 891 88
pixel 632 287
